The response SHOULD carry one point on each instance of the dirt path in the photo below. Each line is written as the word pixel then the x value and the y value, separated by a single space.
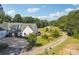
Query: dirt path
pixel 43 48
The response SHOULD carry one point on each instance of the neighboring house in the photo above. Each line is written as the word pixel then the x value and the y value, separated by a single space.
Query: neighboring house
pixel 19 29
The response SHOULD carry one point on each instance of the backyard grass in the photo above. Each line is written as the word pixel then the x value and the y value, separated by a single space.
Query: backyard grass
pixel 70 40
pixel 40 40
pixel 43 41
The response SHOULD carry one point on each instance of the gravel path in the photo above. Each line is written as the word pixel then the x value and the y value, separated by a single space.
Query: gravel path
pixel 43 48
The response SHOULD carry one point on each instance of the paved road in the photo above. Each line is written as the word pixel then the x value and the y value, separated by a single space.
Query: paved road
pixel 43 48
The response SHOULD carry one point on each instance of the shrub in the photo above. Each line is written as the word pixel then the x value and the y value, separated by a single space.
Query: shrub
pixel 47 29
pixel 55 33
pixel 29 47
pixel 3 46
pixel 32 38
pixel 45 36
pixel 39 44
pixel 76 35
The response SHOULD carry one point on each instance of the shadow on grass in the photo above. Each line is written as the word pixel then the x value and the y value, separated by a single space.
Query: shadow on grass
pixel 38 45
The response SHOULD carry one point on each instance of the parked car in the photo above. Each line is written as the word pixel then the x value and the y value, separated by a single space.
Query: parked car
pixel 38 33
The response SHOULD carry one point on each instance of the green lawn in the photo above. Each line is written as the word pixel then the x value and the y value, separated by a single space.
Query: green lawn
pixel 42 41
pixel 70 40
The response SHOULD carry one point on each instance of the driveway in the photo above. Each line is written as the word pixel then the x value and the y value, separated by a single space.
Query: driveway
pixel 15 44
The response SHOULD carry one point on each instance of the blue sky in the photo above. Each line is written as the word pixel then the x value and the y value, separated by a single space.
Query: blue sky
pixel 42 11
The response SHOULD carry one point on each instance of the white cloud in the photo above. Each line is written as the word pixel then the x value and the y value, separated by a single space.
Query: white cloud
pixel 75 4
pixel 51 16
pixel 69 9
pixel 56 15
pixel 42 17
pixel 33 9
pixel 11 12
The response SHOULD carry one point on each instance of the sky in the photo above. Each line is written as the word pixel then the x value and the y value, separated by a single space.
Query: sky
pixel 41 11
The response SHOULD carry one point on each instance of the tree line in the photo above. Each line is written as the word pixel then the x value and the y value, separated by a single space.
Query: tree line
pixel 69 23
pixel 18 18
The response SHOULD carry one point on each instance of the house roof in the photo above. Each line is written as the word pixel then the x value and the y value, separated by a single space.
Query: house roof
pixel 4 26
pixel 22 26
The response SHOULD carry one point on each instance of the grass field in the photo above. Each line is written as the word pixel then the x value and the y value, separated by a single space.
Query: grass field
pixel 43 41
pixel 70 40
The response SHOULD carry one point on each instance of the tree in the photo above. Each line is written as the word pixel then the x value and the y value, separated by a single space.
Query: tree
pixel 3 46
pixel 17 18
pixel 7 18
pixel 47 29
pixel 62 21
pixel 28 20
pixel 2 14
pixel 55 33
pixel 70 23
pixel 32 38
pixel 53 23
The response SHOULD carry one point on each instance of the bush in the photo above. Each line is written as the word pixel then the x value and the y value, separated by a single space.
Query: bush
pixel 45 36
pixel 47 29
pixel 39 44
pixel 76 35
pixel 32 38
pixel 3 46
pixel 29 47
pixel 55 33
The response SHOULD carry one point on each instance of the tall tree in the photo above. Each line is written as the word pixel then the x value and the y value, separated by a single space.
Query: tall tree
pixel 2 14
pixel 8 18
pixel 28 20
pixel 17 18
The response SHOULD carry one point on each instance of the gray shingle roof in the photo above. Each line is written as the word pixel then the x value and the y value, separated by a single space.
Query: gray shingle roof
pixel 22 26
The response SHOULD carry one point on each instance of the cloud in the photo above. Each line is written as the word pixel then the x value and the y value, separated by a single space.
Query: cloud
pixel 33 10
pixel 69 9
pixel 51 16
pixel 75 4
pixel 56 15
pixel 11 12
pixel 42 17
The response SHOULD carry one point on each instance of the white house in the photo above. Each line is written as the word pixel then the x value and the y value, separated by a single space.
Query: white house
pixel 27 31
